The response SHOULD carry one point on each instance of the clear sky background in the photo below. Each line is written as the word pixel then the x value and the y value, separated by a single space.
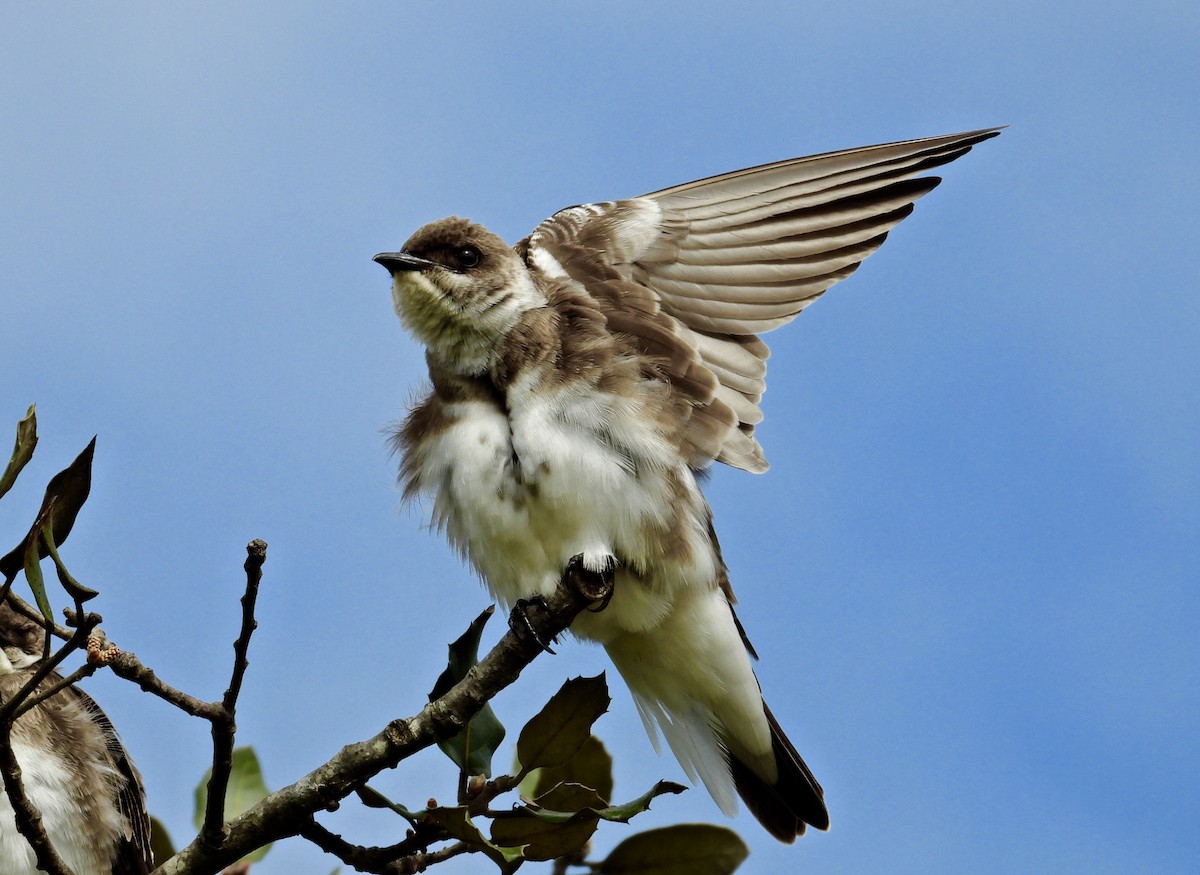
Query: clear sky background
pixel 972 569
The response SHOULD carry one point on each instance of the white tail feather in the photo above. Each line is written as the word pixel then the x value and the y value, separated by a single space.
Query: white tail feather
pixel 695 744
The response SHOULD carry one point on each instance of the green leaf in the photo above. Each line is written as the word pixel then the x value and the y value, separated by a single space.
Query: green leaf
pixel 374 799
pixel 686 849
pixel 564 802
pixel 33 575
pixel 65 495
pixel 246 788
pixel 623 813
pixel 561 821
pixel 473 748
pixel 559 730
pixel 22 450
pixel 76 590
pixel 562 828
pixel 591 766
pixel 457 823
pixel 160 842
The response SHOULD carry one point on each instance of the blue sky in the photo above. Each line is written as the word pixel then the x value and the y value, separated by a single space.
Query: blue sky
pixel 972 570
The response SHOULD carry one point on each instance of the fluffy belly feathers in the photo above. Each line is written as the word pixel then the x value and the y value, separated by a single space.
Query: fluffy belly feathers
pixel 573 473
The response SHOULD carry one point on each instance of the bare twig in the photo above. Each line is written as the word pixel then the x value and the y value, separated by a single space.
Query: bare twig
pixel 285 812
pixel 73 678
pixel 256 555
pixel 370 859
pixel 408 856
pixel 224 726
pixel 420 862
pixel 126 665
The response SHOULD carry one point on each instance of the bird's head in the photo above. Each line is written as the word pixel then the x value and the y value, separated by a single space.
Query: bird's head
pixel 20 641
pixel 459 289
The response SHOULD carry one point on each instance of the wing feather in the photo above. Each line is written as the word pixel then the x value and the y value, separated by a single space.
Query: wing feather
pixel 820 172
pixel 789 238
pixel 134 855
pixel 693 273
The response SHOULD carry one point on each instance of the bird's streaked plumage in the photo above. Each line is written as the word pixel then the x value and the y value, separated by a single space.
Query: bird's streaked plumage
pixel 581 379
pixel 75 771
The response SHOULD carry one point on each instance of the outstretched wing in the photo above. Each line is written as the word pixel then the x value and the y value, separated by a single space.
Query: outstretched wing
pixel 694 273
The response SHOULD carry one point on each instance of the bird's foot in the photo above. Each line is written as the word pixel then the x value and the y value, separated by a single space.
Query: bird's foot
pixel 592 574
pixel 522 626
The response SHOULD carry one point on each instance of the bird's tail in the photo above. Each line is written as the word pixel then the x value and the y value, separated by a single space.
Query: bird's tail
pixel 792 801
pixel 692 681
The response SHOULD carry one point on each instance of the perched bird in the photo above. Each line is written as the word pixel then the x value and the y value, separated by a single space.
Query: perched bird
pixel 74 771
pixel 582 378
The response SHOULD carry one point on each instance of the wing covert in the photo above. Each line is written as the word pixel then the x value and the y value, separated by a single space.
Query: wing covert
pixel 693 273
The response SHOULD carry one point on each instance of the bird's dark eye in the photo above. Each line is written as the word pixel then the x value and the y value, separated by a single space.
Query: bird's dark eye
pixel 466 256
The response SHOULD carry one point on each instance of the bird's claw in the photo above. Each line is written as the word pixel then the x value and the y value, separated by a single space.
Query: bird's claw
pixel 595 583
pixel 522 626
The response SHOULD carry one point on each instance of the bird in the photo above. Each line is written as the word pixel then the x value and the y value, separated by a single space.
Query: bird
pixel 74 770
pixel 582 381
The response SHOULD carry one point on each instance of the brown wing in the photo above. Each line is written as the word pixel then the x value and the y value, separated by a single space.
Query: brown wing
pixel 695 272
pixel 133 855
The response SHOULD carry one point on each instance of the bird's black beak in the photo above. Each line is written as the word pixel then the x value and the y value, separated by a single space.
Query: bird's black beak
pixel 398 261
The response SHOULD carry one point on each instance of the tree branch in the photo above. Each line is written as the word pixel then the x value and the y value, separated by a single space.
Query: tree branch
pixel 420 862
pixel 126 665
pixel 408 856
pixel 285 812
pixel 370 859
pixel 224 724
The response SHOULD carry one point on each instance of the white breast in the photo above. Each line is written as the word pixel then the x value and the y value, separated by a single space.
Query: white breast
pixel 566 472
pixel 48 783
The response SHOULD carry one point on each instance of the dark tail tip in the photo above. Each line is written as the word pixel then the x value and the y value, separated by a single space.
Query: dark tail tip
pixel 793 802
